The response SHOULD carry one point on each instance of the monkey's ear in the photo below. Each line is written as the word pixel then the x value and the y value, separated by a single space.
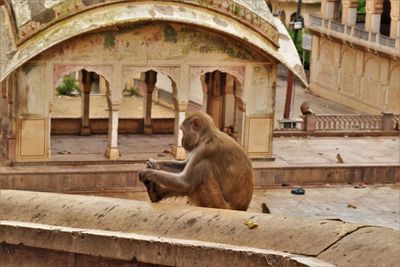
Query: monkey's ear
pixel 196 124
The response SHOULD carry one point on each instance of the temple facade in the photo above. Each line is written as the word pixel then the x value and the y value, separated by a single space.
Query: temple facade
pixel 355 57
pixel 226 51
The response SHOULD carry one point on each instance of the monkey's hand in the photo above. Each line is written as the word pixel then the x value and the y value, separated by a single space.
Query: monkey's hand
pixel 152 164
pixel 143 176
pixel 150 186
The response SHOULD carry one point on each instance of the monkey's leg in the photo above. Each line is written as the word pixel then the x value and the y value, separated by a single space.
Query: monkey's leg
pixel 157 192
pixel 208 194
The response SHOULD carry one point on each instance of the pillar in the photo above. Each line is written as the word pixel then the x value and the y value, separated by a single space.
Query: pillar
pixel 216 82
pixel 112 152
pixel 229 102
pixel 180 114
pixel 329 9
pixel 373 10
pixel 349 12
pixel 87 81
pixel 395 19
pixel 150 80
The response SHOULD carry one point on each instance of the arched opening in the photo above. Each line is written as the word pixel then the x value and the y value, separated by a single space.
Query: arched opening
pixel 385 18
pixel 337 11
pixel 80 108
pixel 147 112
pixel 222 100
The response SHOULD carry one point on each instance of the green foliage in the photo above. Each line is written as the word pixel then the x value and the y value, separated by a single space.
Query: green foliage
pixel 361 7
pixel 131 91
pixel 299 49
pixel 68 86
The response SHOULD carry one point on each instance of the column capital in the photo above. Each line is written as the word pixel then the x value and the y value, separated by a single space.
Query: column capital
pixel 350 3
pixel 180 106
pixel 150 78
pixel 374 6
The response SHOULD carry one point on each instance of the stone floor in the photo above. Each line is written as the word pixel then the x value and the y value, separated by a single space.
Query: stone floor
pixel 310 151
pixel 372 205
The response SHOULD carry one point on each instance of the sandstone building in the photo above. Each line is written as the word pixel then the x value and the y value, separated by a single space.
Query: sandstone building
pixel 230 48
pixel 355 60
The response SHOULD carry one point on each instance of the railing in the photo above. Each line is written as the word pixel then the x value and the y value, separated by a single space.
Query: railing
pixel 337 27
pixel 349 123
pixel 353 34
pixel 360 34
pixel 387 41
pixel 372 37
pixel 316 21
pixel 360 18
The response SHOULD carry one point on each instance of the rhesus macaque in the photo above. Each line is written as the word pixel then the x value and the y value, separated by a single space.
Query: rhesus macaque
pixel 305 109
pixel 216 174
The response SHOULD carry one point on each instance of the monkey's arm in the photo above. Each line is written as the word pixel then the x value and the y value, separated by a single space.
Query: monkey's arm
pixel 166 165
pixel 173 181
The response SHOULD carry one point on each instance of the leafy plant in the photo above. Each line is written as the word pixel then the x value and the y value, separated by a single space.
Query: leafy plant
pixel 361 6
pixel 298 44
pixel 131 91
pixel 68 86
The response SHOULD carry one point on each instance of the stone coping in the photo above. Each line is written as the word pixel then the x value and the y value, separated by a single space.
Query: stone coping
pixel 145 248
pixel 337 242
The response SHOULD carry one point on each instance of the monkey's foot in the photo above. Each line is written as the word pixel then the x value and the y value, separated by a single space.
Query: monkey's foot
pixel 152 191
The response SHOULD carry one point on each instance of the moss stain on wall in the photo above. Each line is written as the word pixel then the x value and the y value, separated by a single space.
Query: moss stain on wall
pixel 109 40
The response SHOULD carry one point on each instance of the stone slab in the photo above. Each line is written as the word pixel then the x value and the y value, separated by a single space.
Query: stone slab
pixel 281 233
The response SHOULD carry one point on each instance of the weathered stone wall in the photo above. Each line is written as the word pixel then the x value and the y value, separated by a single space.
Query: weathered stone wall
pixel 354 77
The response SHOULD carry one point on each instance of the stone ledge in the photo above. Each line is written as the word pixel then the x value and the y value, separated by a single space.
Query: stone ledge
pixel 143 248
pixel 323 239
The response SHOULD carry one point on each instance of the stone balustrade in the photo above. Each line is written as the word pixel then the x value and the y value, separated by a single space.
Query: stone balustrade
pixel 350 122
pixel 354 35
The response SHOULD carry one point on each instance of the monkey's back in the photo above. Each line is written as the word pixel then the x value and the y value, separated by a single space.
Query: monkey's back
pixel 232 169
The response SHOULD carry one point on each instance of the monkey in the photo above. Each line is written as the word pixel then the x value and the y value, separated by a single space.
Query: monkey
pixel 339 158
pixel 216 173
pixel 305 109
pixel 264 208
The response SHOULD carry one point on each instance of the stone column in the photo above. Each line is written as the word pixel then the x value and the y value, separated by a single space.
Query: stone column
pixel 349 12
pixel 150 80
pixel 229 102
pixel 87 81
pixel 395 19
pixel 180 112
pixel 112 147
pixel 328 8
pixel 373 10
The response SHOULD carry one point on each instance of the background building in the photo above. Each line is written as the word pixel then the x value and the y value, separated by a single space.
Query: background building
pixel 355 55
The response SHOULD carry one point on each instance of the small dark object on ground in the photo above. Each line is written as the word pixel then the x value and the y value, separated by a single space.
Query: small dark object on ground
pixel 351 206
pixel 166 151
pixel 285 184
pixel 298 191
pixel 264 208
pixel 359 186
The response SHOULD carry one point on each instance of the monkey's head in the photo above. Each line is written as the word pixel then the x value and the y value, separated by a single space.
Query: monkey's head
pixel 196 128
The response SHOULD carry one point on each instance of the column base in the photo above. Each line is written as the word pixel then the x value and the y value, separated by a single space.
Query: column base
pixel 148 130
pixel 179 152
pixel 112 153
pixel 85 131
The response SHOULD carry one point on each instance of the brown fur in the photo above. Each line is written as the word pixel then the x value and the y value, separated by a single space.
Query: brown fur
pixel 217 173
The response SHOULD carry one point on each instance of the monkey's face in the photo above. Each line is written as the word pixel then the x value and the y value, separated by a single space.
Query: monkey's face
pixel 190 138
